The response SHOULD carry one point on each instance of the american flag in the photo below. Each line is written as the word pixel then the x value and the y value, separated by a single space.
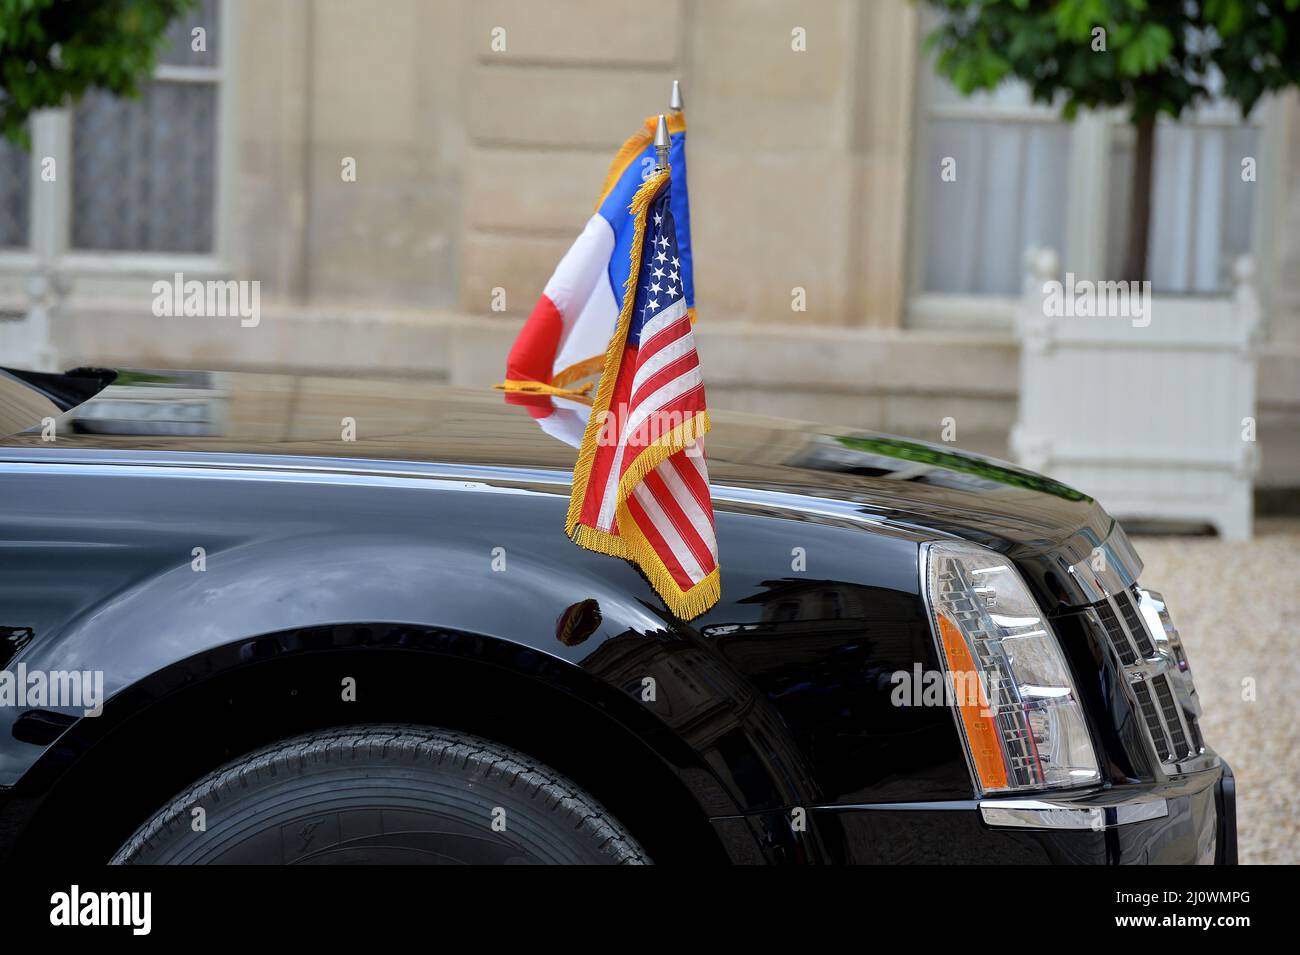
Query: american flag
pixel 641 487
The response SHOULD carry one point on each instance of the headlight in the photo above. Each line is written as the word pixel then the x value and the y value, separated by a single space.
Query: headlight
pixel 1015 700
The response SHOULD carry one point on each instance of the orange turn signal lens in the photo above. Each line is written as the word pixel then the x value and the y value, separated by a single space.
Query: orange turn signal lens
pixel 976 718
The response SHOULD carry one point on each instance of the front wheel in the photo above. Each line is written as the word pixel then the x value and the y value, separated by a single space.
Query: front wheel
pixel 384 795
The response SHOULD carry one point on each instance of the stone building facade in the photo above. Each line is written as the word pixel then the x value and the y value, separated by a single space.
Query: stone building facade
pixel 479 134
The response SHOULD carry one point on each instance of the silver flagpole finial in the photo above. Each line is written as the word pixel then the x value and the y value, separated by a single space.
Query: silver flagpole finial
pixel 675 102
pixel 662 144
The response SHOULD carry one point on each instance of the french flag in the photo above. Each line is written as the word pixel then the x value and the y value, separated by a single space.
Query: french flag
pixel 560 351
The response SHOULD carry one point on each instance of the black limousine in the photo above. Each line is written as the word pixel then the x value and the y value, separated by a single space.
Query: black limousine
pixel 284 619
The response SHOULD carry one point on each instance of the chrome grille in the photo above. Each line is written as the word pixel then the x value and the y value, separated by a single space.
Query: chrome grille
pixel 1118 639
pixel 1154 727
pixel 1172 714
pixel 1170 726
pixel 1141 639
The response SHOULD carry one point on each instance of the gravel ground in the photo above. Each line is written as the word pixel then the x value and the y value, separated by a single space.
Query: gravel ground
pixel 1236 606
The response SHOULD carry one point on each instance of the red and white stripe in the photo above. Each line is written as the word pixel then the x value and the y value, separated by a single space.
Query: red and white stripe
pixel 673 509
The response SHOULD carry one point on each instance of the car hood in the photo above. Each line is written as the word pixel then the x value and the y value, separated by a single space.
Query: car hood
pixel 827 471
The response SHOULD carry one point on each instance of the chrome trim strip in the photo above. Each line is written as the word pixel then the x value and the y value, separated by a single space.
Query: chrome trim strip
pixel 1126 813
pixel 273 475
pixel 282 467
pixel 1119 568
pixel 274 462
pixel 1044 814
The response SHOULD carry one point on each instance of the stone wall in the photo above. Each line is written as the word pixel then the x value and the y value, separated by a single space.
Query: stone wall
pixel 477 166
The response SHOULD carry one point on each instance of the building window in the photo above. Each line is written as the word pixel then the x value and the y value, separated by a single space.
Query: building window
pixel 144 171
pixel 996 170
pixel 15 195
pixel 143 176
pixel 1024 178
pixel 1202 212
pixel 142 182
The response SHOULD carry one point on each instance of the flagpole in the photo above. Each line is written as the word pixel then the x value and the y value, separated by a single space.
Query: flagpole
pixel 675 101
pixel 662 144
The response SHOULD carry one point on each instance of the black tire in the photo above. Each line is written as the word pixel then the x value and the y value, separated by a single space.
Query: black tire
pixel 383 794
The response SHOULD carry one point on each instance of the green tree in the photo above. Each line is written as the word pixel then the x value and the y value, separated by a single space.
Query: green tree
pixel 1148 56
pixel 53 51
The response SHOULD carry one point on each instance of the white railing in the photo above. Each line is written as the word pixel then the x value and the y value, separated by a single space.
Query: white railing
pixel 1152 414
